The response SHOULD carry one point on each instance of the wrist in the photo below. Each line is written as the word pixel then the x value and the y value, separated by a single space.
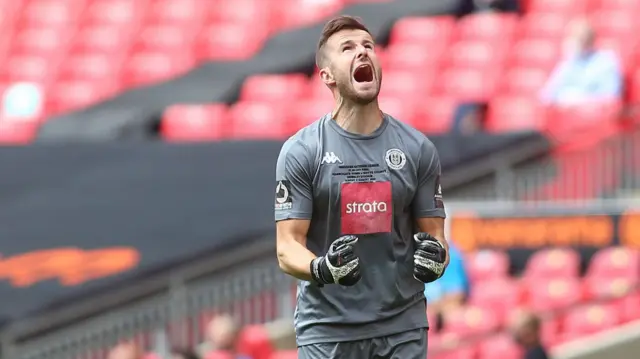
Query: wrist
pixel 319 271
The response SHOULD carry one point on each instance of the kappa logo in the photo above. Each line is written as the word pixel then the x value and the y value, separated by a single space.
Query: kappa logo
pixel 330 158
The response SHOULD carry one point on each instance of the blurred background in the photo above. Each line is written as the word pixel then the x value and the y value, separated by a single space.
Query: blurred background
pixel 139 146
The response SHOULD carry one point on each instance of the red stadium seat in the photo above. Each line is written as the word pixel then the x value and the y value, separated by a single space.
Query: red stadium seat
pixel 471 320
pixel 294 13
pixel 625 5
pixel 606 287
pixel 486 265
pixel 422 30
pixel 553 294
pixel 553 263
pixel 458 353
pixel 567 121
pixel 17 131
pixel 176 12
pixel 254 342
pixel 411 57
pixel 254 120
pixel 629 306
pixel 95 66
pixel 115 12
pixel 590 319
pixel 543 25
pixel 615 23
pixel 400 108
pixel 499 346
pixel 166 37
pixel 284 354
pixel 113 39
pixel 538 53
pixel 524 81
pixel 412 85
pixel 550 331
pixel 497 295
pixel 476 54
pixel 568 7
pixel 494 27
pixel 468 84
pixel 241 12
pixel 615 262
pixel 146 67
pixel 26 67
pixel 228 41
pixel 51 12
pixel 64 96
pixel 624 48
pixel 42 41
pixel 219 355
pixel 634 83
pixel 305 112
pixel 274 87
pixel 434 114
pixel 194 123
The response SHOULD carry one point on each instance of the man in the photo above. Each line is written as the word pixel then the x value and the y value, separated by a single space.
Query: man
pixel 585 74
pixel 525 328
pixel 221 336
pixel 352 190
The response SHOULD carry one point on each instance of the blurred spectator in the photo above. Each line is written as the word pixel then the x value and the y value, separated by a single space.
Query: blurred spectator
pixel 22 100
pixel 586 73
pixel 468 119
pixel 525 328
pixel 450 291
pixel 125 351
pixel 183 354
pixel 475 6
pixel 221 336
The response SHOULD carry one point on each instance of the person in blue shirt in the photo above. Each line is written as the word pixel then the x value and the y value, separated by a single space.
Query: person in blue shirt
pixel 585 74
pixel 450 291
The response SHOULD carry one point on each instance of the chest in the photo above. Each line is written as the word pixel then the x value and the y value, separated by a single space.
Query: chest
pixel 365 174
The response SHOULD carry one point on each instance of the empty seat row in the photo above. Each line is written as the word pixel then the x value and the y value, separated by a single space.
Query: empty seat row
pixel 611 263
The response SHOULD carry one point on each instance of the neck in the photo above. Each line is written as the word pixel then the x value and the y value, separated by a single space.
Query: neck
pixel 357 118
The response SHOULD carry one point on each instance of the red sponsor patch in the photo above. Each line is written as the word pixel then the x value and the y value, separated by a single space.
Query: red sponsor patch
pixel 366 208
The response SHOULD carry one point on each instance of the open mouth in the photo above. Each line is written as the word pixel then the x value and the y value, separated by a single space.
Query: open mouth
pixel 363 73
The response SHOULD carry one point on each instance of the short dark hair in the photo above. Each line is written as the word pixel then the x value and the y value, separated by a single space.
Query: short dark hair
pixel 337 24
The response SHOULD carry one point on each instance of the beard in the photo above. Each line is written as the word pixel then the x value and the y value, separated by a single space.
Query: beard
pixel 348 92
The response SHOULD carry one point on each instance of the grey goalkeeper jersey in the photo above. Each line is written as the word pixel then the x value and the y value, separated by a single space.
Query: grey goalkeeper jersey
pixel 374 187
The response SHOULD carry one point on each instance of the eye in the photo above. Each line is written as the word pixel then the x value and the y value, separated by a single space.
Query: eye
pixel 347 48
pixel 369 46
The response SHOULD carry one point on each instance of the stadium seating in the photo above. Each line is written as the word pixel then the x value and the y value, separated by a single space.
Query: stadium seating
pixel 476 331
pixel 97 48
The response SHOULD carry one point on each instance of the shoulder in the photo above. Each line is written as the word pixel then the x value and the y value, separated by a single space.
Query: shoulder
pixel 606 57
pixel 417 140
pixel 305 142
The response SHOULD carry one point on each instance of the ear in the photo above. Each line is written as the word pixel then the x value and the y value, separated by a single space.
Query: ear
pixel 327 76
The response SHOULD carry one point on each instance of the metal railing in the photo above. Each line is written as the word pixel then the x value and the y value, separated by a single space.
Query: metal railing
pixel 255 291
pixel 607 170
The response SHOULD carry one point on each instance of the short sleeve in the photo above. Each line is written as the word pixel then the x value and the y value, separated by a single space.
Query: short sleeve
pixel 294 189
pixel 428 198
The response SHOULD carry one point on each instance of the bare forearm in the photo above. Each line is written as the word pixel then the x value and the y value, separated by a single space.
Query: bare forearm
pixel 294 259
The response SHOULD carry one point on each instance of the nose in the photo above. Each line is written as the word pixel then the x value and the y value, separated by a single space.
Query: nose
pixel 361 52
